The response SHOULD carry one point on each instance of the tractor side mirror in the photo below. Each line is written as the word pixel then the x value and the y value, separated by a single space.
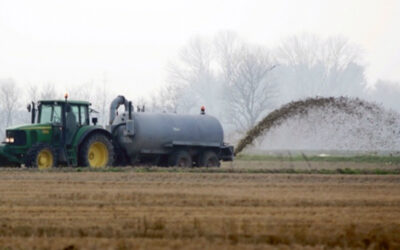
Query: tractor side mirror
pixel 94 120
pixel 29 107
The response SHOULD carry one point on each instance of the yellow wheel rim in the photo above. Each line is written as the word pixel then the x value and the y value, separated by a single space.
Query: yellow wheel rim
pixel 98 155
pixel 45 159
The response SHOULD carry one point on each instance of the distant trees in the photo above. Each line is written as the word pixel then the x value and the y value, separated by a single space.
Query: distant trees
pixel 249 88
pixel 311 66
pixel 251 91
pixel 191 80
pixel 99 94
pixel 240 82
pixel 81 91
pixel 386 93
pixel 48 91
pixel 101 97
pixel 32 93
pixel 236 81
pixel 230 77
pixel 102 102
pixel 35 92
pixel 167 99
pixel 10 99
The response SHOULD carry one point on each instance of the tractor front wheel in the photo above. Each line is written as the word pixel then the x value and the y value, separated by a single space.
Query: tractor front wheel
pixel 97 151
pixel 41 156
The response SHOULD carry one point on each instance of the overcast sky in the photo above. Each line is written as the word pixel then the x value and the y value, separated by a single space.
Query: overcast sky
pixel 131 42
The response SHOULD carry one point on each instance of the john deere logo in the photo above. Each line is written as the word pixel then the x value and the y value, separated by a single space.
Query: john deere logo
pixel 45 131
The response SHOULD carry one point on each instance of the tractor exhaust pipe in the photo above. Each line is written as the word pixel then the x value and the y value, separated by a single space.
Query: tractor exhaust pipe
pixel 118 101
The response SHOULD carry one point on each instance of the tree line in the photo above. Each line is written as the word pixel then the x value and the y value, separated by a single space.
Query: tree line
pixel 241 82
pixel 237 81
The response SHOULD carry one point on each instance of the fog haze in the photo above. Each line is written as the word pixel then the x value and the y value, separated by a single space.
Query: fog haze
pixel 131 43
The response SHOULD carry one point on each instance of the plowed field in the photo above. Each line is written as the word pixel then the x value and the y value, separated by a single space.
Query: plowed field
pixel 127 210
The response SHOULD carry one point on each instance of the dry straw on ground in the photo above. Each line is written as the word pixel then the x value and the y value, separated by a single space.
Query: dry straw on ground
pixel 94 210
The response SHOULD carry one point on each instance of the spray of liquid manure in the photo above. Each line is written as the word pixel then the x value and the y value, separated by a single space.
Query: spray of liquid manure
pixel 377 127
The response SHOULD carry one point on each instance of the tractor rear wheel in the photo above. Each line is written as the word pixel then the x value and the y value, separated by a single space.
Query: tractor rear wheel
pixel 209 159
pixel 97 151
pixel 41 156
pixel 180 158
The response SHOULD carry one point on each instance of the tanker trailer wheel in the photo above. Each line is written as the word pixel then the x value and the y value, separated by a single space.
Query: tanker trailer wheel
pixel 180 158
pixel 41 156
pixel 209 159
pixel 97 151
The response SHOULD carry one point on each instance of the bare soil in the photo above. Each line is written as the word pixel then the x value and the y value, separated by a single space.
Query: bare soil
pixel 130 210
pixel 280 165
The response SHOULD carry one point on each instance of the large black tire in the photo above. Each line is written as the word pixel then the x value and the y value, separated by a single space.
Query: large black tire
pixel 120 157
pixel 180 158
pixel 209 159
pixel 41 156
pixel 96 151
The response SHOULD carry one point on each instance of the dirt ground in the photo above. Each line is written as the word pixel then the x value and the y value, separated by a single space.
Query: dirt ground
pixel 130 210
pixel 307 165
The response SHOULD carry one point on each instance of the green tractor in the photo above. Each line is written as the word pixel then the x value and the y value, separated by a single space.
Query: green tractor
pixel 60 133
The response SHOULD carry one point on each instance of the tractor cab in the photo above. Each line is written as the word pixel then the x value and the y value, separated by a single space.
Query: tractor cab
pixel 66 117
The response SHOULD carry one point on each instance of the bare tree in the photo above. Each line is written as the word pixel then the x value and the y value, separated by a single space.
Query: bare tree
pixel 230 77
pixel 338 53
pixel 32 92
pixel 251 89
pixel 191 80
pixel 9 95
pixel 102 99
pixel 83 91
pixel 173 98
pixel 311 66
pixel 304 49
pixel 48 91
pixel 227 44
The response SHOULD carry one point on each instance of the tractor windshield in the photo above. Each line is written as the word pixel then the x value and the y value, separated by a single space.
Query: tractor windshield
pixel 50 113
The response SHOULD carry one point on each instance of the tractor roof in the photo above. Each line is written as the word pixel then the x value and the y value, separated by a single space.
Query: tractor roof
pixel 63 101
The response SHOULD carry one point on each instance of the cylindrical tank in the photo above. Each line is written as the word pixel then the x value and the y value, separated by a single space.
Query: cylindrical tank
pixel 157 133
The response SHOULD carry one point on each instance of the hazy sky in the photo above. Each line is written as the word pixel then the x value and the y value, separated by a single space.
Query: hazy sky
pixel 131 42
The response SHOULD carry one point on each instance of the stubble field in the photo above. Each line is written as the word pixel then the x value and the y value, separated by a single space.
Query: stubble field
pixel 130 209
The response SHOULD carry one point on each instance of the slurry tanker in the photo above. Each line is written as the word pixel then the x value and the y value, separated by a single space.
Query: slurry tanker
pixel 62 133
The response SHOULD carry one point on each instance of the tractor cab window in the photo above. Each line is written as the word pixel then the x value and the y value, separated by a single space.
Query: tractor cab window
pixel 80 112
pixel 50 113
pixel 75 110
pixel 84 115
